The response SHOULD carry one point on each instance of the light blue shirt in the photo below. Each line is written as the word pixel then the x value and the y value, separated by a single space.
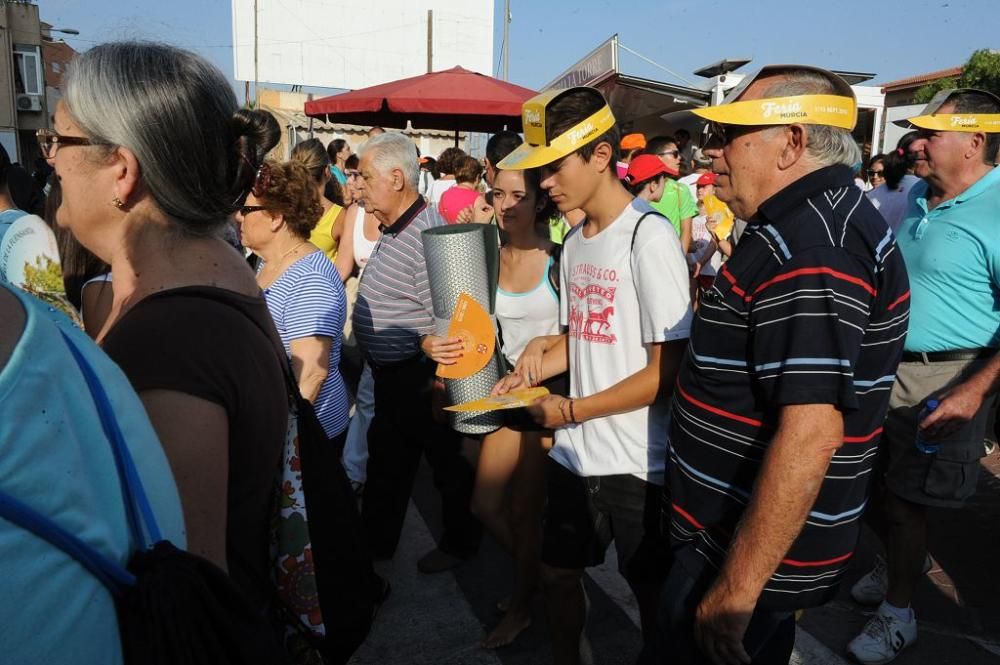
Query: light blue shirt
pixel 952 255
pixel 338 174
pixel 55 457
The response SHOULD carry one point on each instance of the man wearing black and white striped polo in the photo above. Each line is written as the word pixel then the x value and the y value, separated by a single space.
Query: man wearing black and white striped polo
pixel 392 318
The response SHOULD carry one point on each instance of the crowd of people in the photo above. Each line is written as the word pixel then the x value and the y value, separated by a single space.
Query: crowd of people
pixel 747 354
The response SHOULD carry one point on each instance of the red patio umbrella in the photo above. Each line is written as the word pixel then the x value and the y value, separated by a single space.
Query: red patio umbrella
pixel 453 99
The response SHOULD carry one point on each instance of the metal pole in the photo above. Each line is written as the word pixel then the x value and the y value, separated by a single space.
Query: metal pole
pixel 430 41
pixel 506 40
pixel 255 53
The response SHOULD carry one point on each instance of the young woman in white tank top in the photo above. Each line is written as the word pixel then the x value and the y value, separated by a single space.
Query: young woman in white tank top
pixel 510 479
pixel 363 247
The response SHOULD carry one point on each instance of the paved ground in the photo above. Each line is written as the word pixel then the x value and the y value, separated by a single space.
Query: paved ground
pixel 441 619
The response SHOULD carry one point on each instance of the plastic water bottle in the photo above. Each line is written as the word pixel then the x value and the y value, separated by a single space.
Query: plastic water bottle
pixel 926 446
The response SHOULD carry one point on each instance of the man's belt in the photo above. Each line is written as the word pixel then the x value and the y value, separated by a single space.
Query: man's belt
pixel 945 356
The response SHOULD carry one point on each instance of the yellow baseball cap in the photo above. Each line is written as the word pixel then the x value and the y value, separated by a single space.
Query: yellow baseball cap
pixel 930 118
pixel 539 148
pixel 836 110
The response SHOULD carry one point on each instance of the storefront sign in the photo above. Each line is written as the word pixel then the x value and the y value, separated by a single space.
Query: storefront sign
pixel 596 65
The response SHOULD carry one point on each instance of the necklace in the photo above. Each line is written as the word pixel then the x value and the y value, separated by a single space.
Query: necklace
pixel 269 270
pixel 282 257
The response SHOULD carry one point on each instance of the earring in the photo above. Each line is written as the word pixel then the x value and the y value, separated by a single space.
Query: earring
pixel 118 203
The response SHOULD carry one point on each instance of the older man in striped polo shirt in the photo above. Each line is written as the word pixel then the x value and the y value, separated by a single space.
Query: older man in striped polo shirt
pixel 392 317
pixel 779 403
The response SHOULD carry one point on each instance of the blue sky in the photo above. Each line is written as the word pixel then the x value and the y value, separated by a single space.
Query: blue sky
pixel 890 38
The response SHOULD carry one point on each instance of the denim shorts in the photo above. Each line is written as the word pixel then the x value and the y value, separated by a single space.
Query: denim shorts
pixel 584 514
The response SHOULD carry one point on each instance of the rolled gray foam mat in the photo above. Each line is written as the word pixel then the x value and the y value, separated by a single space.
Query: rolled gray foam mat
pixel 464 258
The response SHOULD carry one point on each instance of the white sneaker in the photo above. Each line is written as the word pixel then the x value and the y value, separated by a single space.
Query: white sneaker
pixel 882 638
pixel 871 589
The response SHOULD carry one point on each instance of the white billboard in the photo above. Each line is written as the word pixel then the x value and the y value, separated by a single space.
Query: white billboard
pixel 350 44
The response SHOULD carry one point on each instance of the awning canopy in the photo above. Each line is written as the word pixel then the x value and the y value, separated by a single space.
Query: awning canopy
pixel 633 100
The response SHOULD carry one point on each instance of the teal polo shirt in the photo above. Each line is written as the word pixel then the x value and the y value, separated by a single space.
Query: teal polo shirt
pixel 952 255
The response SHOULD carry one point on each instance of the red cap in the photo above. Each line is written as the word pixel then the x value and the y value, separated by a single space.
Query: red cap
pixel 706 179
pixel 644 167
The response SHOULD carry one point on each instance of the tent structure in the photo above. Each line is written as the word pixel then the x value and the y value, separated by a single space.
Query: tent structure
pixel 454 99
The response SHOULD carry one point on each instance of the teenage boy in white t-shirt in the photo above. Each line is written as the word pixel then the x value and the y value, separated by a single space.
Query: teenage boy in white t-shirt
pixel 626 306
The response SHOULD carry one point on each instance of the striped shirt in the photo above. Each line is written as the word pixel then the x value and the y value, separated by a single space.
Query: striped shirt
pixel 308 300
pixel 812 308
pixel 394 308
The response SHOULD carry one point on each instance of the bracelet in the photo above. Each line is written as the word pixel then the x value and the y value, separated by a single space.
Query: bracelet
pixel 572 416
pixel 563 412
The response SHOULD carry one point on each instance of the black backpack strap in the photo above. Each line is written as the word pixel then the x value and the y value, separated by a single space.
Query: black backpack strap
pixel 635 233
pixel 556 255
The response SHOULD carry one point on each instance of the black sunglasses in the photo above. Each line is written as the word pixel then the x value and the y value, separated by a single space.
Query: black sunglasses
pixel 246 210
pixel 872 173
pixel 720 134
pixel 672 153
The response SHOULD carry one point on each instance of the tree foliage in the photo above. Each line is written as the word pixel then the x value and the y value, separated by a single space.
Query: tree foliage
pixel 981 71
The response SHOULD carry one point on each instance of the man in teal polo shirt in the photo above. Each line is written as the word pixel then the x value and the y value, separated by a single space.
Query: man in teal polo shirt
pixel 950 239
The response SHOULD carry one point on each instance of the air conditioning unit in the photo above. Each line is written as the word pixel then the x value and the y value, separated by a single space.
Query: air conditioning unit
pixel 29 103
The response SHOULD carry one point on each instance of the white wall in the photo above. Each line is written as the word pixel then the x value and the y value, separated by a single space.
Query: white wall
pixel 347 44
pixel 892 132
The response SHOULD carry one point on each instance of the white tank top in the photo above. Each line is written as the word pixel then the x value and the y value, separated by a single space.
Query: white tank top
pixel 525 316
pixel 363 247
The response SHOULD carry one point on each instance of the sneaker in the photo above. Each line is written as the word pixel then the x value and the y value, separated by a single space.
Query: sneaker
pixel 882 638
pixel 871 589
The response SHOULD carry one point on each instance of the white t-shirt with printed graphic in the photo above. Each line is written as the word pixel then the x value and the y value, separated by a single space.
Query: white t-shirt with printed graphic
pixel 611 314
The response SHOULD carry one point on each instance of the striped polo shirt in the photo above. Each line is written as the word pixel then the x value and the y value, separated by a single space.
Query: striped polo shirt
pixel 308 300
pixel 394 308
pixel 812 308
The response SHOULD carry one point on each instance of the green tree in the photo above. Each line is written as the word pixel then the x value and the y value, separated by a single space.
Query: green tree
pixel 925 93
pixel 981 71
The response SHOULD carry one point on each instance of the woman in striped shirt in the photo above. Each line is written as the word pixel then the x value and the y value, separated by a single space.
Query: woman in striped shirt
pixel 301 286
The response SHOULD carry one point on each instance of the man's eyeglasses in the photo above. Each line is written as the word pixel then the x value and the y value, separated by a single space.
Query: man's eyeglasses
pixel 720 135
pixel 49 142
pixel 672 153
pixel 246 210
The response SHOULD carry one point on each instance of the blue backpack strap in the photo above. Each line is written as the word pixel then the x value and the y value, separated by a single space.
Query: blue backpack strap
pixel 110 574
pixel 136 501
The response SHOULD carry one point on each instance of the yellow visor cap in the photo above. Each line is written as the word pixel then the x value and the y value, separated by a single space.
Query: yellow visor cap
pixel 831 110
pixel 538 149
pixel 988 123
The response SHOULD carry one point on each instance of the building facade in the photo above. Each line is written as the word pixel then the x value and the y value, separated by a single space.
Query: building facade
pixel 23 107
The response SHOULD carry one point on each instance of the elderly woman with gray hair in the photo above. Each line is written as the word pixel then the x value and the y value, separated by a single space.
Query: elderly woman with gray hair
pixel 394 325
pixel 155 157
